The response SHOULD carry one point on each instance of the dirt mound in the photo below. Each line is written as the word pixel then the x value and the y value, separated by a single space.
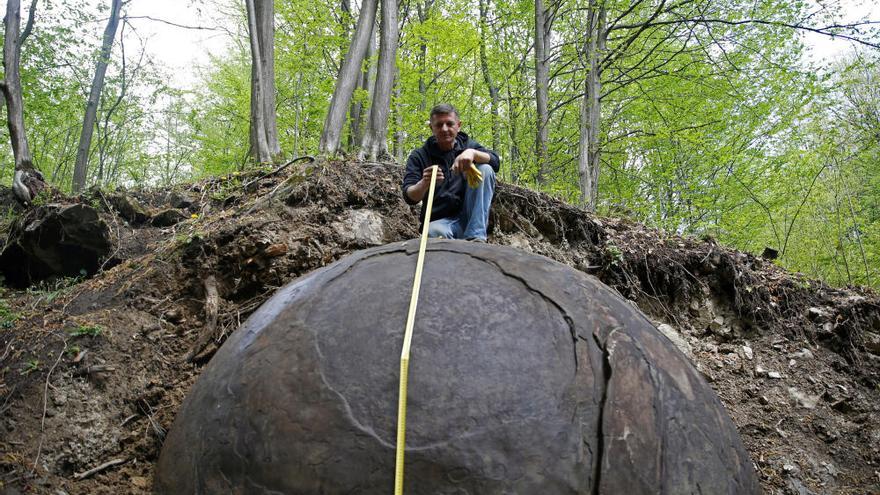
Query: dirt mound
pixel 94 371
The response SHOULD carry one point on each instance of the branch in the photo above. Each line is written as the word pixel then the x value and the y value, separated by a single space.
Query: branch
pixel 30 23
pixel 824 30
pixel 182 26
pixel 98 469
pixel 800 207
pixel 622 48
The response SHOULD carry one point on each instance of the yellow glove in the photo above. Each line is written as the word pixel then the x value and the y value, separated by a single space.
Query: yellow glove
pixel 474 177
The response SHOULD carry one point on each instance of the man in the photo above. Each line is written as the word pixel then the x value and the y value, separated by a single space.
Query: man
pixel 459 212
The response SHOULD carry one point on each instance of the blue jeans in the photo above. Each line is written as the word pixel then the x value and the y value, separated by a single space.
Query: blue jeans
pixel 473 219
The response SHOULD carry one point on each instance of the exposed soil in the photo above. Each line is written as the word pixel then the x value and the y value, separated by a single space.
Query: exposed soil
pixel 92 372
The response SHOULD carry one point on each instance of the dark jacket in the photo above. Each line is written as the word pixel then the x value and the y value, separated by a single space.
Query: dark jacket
pixel 449 196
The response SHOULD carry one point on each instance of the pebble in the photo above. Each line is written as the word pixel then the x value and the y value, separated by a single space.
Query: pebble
pixel 802 354
pixel 775 375
pixel 747 351
pixel 872 342
pixel 806 401
pixel 832 470
pixel 817 312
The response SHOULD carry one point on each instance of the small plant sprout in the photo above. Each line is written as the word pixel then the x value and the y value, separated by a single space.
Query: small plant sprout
pixel 30 367
pixel 86 331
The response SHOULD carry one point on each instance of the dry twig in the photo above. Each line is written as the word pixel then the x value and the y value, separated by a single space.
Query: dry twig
pixel 85 474
pixel 45 406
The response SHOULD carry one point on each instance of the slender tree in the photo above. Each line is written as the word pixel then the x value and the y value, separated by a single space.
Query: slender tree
pixel 27 181
pixel 494 93
pixel 543 24
pixel 263 128
pixel 590 116
pixel 367 84
pixel 85 140
pixel 375 143
pixel 347 79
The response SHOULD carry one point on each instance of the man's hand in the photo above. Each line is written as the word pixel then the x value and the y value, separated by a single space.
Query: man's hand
pixel 417 191
pixel 467 158
pixel 426 175
pixel 463 161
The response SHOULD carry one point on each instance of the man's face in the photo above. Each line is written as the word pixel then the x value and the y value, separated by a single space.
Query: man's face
pixel 445 127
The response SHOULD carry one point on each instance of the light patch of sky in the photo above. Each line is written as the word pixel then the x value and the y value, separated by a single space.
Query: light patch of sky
pixel 183 51
pixel 823 50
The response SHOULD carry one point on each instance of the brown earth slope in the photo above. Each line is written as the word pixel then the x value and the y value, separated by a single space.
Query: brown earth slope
pixel 94 371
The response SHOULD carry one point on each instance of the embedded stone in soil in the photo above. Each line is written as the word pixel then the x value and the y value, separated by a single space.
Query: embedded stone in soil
pixel 526 376
pixel 55 241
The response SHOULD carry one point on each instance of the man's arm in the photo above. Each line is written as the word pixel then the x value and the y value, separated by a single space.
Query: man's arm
pixel 417 191
pixel 417 179
pixel 476 154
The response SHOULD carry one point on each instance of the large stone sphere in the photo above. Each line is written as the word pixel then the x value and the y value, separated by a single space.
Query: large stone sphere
pixel 526 377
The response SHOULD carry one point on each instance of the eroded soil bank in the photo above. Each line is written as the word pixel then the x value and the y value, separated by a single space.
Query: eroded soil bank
pixel 94 371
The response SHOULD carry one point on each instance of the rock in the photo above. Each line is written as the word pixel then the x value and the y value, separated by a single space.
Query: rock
pixel 173 315
pixel 748 353
pixel 520 241
pixel 806 401
pixel 774 375
pixel 361 227
pixel 843 406
pixel 276 250
pixel 796 487
pixel 802 354
pixel 549 383
pixel 167 218
pixel 818 313
pixel 55 241
pixel 872 342
pixel 676 338
pixel 831 469
pixel 129 208
pixel 769 253
pixel 179 200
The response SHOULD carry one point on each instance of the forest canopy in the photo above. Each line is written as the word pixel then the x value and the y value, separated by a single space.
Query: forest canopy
pixel 703 118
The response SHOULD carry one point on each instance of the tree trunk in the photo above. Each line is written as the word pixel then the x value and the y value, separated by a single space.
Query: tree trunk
pixel 375 144
pixel 347 79
pixel 512 166
pixel 85 140
pixel 542 84
pixel 591 110
pixel 487 77
pixel 424 13
pixel 366 83
pixel 263 129
pixel 399 134
pixel 27 181
pixel 11 87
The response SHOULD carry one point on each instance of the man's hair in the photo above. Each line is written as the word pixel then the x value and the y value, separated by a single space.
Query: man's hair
pixel 442 109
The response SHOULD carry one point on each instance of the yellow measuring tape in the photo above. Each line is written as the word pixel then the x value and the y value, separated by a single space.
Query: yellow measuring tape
pixel 407 341
pixel 474 178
